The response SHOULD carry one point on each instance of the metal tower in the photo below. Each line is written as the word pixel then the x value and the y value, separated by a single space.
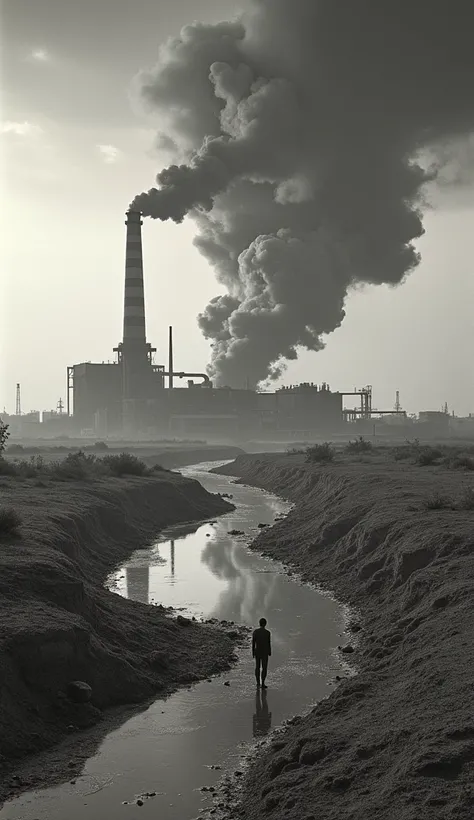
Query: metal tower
pixel 397 406
pixel 18 401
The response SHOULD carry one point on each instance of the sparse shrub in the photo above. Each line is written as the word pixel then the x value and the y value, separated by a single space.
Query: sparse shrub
pixel 10 521
pixel 30 468
pixel 466 501
pixel 158 468
pixel 360 445
pixel 461 462
pixel 295 451
pixel 321 453
pixel 76 467
pixel 437 501
pixel 427 456
pixel 125 464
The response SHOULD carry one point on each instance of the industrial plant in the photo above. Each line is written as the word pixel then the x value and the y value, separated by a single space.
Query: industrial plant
pixel 136 397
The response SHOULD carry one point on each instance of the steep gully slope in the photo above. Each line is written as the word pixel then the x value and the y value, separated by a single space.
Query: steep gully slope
pixel 396 740
pixel 58 623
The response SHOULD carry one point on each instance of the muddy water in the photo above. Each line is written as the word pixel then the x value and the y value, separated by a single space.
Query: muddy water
pixel 169 749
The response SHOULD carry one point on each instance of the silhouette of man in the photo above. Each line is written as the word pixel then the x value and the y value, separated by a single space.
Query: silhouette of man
pixel 261 651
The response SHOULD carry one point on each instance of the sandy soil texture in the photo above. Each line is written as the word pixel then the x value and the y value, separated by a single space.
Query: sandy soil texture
pixel 396 740
pixel 57 622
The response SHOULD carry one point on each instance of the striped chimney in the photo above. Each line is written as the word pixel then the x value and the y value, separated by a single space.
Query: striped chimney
pixel 134 333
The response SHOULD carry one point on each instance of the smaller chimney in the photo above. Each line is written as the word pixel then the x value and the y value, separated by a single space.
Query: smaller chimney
pixel 170 359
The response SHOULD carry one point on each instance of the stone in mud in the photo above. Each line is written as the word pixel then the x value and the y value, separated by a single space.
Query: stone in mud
pixel 235 532
pixel 227 683
pixel 354 626
pixel 346 649
pixel 182 621
pixel 79 692
pixel 261 526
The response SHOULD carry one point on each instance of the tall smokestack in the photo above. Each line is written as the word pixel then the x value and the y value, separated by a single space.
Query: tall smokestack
pixel 170 359
pixel 134 334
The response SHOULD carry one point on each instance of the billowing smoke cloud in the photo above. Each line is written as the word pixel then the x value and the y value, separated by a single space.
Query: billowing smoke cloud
pixel 298 133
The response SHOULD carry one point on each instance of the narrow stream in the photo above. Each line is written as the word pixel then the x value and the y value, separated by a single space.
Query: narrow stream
pixel 169 749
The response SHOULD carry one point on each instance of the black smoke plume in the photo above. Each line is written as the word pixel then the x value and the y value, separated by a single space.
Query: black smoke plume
pixel 299 133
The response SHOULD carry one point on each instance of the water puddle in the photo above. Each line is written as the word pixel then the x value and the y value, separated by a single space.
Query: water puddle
pixel 166 754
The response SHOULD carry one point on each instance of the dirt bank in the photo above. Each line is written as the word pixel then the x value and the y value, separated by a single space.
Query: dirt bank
pixel 57 622
pixel 397 740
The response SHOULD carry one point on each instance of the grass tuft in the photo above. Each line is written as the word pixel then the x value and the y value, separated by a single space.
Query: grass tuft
pixel 360 445
pixel 437 501
pixel 320 453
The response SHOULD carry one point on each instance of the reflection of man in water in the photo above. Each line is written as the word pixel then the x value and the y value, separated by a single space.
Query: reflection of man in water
pixel 261 651
pixel 262 719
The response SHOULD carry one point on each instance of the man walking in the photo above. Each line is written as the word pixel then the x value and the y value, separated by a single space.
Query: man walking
pixel 261 651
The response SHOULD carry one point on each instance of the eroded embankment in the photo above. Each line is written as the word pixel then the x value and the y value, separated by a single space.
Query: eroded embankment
pixel 58 623
pixel 397 740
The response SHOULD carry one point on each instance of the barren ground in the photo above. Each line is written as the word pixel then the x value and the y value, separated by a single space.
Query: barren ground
pixel 396 740
pixel 58 623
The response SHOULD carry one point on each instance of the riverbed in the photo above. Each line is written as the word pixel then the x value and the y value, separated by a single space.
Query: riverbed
pixel 156 763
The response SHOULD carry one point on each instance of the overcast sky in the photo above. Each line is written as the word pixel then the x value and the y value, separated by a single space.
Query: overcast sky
pixel 75 151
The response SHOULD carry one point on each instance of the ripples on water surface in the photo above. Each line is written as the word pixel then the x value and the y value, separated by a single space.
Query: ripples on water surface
pixel 169 748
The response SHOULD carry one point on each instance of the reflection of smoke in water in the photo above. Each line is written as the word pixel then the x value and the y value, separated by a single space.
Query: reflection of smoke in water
pixel 247 593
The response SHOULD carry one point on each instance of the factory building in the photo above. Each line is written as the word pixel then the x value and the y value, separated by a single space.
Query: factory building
pixel 135 398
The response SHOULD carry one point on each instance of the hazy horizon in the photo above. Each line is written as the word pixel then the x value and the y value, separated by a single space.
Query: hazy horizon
pixel 75 151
